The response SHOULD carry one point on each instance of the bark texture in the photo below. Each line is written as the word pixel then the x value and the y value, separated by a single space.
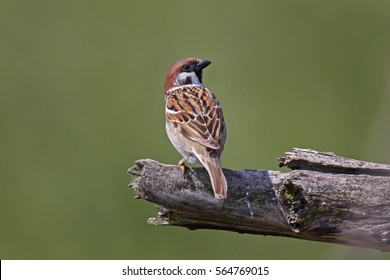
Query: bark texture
pixel 324 198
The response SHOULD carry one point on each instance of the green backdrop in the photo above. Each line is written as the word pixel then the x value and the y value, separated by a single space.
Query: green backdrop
pixel 81 98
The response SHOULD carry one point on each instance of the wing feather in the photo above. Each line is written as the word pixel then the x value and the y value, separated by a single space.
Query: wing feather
pixel 197 113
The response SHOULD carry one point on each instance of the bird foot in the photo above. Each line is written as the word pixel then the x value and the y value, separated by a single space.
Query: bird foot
pixel 182 165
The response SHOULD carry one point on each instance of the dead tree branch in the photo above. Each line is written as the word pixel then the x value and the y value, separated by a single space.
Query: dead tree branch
pixel 325 198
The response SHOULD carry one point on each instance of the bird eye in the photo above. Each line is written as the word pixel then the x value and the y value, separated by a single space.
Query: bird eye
pixel 186 67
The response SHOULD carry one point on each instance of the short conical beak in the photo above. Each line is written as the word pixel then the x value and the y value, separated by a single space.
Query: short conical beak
pixel 202 64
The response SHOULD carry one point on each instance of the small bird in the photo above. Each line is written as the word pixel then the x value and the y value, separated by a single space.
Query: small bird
pixel 194 120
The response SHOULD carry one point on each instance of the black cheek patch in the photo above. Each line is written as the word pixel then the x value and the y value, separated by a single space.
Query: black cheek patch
pixel 188 80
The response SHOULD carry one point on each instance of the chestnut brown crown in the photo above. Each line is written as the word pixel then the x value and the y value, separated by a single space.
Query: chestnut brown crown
pixel 186 72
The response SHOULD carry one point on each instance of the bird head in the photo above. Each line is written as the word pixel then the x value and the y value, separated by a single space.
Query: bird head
pixel 185 72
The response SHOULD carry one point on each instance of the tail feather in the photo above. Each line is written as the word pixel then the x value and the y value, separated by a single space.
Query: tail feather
pixel 218 180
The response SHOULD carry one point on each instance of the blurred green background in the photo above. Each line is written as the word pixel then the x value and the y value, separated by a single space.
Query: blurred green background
pixel 81 98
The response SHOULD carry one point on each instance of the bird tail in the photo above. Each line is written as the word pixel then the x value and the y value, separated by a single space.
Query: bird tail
pixel 218 180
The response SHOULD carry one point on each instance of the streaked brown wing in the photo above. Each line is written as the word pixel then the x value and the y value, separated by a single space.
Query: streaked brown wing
pixel 197 113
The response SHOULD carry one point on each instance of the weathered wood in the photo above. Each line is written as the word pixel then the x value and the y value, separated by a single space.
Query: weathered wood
pixel 326 198
pixel 329 162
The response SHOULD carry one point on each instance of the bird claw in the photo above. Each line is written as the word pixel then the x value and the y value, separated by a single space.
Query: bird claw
pixel 182 165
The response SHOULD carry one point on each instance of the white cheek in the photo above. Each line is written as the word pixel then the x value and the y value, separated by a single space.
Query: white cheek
pixel 182 78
